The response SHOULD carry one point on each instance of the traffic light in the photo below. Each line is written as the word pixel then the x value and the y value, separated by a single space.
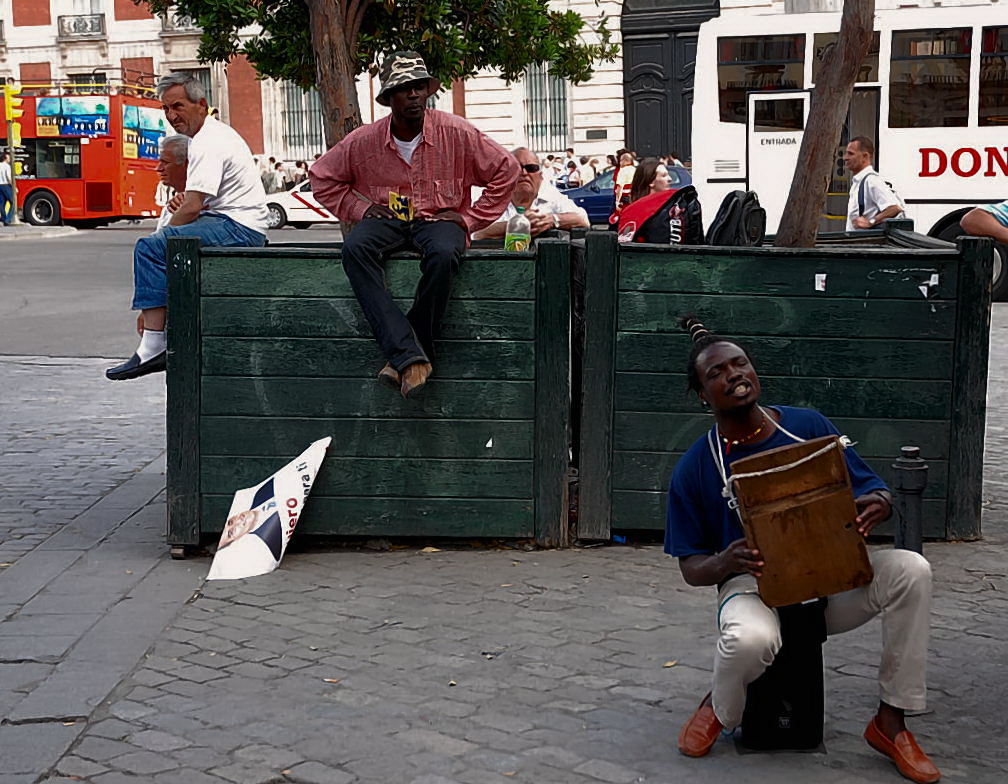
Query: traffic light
pixel 12 102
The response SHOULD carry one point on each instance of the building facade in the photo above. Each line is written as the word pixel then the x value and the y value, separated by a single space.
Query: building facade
pixel 641 100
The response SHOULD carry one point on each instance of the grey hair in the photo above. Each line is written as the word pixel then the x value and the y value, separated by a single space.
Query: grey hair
pixel 179 143
pixel 517 150
pixel 194 90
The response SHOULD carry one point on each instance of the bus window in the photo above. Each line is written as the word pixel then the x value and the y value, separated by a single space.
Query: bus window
pixel 994 76
pixel 57 159
pixel 929 78
pixel 747 64
pixel 823 44
pixel 787 114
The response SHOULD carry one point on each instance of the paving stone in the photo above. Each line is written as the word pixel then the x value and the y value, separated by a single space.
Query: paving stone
pixel 316 773
pixel 33 748
pixel 144 762
pixel 156 740
pixel 80 767
pixel 607 771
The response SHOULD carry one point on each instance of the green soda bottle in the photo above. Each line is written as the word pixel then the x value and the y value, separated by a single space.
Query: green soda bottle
pixel 519 232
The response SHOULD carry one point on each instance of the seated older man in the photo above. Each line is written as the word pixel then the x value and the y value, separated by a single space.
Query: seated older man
pixel 545 206
pixel 223 205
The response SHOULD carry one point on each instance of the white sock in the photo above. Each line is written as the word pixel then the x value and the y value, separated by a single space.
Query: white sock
pixel 152 343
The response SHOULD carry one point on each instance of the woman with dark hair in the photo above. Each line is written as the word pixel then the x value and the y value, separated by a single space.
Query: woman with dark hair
pixel 610 163
pixel 705 533
pixel 651 177
pixel 573 175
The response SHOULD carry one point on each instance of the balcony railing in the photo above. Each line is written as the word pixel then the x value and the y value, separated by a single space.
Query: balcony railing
pixel 178 23
pixel 81 27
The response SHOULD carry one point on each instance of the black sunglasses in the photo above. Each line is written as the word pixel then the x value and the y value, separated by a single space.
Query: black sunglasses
pixel 531 168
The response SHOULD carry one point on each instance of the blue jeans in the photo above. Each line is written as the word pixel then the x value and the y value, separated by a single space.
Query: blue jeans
pixel 7 205
pixel 150 282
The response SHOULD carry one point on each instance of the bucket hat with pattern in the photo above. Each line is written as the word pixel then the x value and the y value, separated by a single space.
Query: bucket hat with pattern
pixel 400 68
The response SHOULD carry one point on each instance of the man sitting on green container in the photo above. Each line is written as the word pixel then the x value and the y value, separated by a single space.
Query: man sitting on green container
pixel 406 180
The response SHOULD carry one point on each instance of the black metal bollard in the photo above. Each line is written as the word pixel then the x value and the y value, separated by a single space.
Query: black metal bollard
pixel 911 479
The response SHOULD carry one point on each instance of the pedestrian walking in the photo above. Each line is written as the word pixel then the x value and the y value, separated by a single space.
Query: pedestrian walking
pixel 7 205
pixel 406 180
pixel 872 200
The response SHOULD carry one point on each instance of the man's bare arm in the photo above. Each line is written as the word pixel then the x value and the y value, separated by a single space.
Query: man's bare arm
pixel 492 232
pixel 736 558
pixel 981 223
pixel 189 210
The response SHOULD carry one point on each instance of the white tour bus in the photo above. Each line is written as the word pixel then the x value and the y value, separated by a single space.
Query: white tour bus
pixel 932 93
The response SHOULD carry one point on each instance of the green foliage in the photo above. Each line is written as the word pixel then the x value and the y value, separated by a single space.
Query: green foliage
pixel 456 38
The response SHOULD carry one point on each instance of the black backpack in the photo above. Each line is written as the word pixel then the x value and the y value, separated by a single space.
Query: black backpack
pixel 739 221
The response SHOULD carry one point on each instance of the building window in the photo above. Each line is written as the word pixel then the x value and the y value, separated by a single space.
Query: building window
pixel 302 122
pixel 994 76
pixel 929 78
pixel 751 64
pixel 547 127
pixel 203 77
pixel 823 44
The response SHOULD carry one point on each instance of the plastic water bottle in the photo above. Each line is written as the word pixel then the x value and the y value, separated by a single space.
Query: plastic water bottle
pixel 519 232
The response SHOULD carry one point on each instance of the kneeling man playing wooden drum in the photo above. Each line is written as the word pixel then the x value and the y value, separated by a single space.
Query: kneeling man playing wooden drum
pixel 705 533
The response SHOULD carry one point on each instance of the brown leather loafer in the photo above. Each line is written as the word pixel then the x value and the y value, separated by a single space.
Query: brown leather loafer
pixel 910 760
pixel 389 376
pixel 699 733
pixel 414 377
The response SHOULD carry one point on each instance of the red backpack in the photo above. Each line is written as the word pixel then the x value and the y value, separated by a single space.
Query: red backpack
pixel 667 218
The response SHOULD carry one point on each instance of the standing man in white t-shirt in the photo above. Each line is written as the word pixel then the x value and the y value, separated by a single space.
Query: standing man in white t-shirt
pixel 224 205
pixel 871 200
pixel 7 205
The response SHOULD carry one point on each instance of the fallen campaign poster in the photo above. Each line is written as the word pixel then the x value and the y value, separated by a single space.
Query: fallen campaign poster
pixel 262 518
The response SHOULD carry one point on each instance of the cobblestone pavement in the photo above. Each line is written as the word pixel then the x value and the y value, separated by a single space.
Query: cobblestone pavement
pixel 69 437
pixel 472 666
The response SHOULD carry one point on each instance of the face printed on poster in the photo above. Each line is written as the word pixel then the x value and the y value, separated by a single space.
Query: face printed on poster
pixel 262 518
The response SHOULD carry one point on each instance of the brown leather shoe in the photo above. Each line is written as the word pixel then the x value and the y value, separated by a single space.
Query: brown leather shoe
pixel 699 733
pixel 910 760
pixel 389 376
pixel 414 377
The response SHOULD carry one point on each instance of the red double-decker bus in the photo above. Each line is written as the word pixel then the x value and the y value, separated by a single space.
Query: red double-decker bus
pixel 88 153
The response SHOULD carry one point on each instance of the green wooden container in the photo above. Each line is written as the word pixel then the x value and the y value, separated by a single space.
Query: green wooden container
pixel 891 344
pixel 268 351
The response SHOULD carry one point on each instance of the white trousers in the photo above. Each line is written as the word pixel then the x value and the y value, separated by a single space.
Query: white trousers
pixel 750 632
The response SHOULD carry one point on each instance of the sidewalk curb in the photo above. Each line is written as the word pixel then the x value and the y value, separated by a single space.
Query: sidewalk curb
pixel 26 232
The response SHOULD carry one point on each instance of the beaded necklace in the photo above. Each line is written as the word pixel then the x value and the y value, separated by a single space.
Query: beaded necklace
pixel 744 439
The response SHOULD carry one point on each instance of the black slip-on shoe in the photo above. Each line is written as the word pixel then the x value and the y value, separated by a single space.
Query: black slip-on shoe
pixel 134 368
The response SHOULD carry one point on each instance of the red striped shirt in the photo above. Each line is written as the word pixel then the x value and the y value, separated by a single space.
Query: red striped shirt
pixel 452 156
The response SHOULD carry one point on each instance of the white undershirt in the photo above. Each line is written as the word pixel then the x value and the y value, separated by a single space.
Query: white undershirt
pixel 406 149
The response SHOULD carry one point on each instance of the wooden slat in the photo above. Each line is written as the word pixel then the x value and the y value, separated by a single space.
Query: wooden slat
pixel 729 315
pixel 595 470
pixel 646 511
pixel 289 317
pixel 797 356
pixel 360 357
pixel 552 385
pixel 183 388
pixel 388 477
pixel 969 388
pixel 841 397
pixel 883 438
pixel 479 439
pixel 652 471
pixel 853 275
pixel 349 397
pixel 321 275
pixel 426 517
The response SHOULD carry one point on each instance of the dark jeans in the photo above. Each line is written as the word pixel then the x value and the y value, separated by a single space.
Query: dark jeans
pixel 404 339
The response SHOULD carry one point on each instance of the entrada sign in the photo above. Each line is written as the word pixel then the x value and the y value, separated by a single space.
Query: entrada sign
pixel 965 161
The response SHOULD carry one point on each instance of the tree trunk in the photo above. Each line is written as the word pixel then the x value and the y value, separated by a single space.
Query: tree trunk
pixel 830 102
pixel 334 67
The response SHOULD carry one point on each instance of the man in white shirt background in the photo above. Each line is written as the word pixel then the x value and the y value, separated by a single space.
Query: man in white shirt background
pixel 871 199
pixel 7 205
pixel 224 205
pixel 173 161
pixel 545 206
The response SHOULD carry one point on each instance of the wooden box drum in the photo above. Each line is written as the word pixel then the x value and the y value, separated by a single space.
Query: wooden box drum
pixel 798 510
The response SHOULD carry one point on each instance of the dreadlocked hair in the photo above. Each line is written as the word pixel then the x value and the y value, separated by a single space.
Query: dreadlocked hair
pixel 702 339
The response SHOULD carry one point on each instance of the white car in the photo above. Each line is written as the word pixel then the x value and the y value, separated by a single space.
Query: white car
pixel 297 207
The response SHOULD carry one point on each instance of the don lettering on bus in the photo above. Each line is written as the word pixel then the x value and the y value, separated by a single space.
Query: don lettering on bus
pixel 965 161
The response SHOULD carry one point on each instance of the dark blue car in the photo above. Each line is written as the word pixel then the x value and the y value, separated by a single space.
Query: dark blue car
pixel 597 196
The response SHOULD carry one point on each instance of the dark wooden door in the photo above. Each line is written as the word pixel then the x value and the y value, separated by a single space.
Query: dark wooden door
pixel 658 89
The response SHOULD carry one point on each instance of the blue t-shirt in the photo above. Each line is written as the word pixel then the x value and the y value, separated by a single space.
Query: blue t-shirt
pixel 699 521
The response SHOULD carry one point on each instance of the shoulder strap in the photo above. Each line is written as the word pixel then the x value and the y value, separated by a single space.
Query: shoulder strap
pixel 861 192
